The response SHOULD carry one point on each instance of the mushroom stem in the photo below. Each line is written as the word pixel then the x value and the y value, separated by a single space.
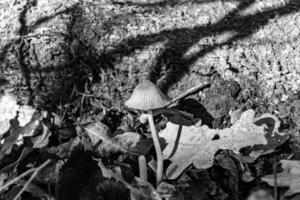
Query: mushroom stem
pixel 143 168
pixel 159 170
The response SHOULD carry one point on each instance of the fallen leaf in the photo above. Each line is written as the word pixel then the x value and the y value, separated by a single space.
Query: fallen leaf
pixel 42 140
pixel 57 120
pixel 274 137
pixel 9 168
pixel 9 109
pixel 31 128
pixel 273 142
pixel 289 177
pixel 143 190
pixel 198 145
pixel 108 173
pixel 236 115
pixel 230 172
pixel 112 189
pixel 97 131
pixel 11 139
pixel 62 150
pixel 3 177
pixel 17 133
pixel 180 117
pixel 124 142
pixel 166 189
pixel 271 121
pixel 260 194
pixel 25 114
pixel 35 190
pixel 140 190
pixel 49 174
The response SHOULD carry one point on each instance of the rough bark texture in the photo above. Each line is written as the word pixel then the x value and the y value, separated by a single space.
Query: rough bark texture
pixel 47 47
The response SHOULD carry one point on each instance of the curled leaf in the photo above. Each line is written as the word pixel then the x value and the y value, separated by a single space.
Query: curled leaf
pixel 271 121
pixel 42 140
pixel 198 145
pixel 274 137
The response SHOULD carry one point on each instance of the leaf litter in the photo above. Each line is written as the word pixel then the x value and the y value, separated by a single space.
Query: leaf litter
pixel 188 145
pixel 26 141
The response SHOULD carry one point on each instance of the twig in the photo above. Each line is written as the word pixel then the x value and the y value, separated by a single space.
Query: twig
pixel 86 95
pixel 21 176
pixel 68 106
pixel 16 179
pixel 188 92
pixel 35 173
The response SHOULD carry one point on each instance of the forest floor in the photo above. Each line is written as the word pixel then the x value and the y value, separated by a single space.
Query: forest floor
pixel 67 67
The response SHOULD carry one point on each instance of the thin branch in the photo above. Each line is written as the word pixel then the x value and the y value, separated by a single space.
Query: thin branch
pixel 188 92
pixel 23 175
pixel 68 106
pixel 16 179
pixel 35 173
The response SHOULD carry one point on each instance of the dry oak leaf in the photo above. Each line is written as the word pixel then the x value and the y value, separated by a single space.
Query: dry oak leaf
pixel 9 110
pixel 188 145
pixel 42 140
pixel 289 177
pixel 125 142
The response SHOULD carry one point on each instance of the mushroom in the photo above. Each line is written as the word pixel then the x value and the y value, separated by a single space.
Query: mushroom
pixel 143 168
pixel 148 97
pixel 143 118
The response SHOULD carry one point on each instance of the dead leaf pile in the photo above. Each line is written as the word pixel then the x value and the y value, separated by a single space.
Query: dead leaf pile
pixel 188 145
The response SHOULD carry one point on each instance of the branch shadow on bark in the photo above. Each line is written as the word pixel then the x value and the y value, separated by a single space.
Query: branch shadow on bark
pixel 242 25
pixel 178 41
pixel 24 30
pixel 19 44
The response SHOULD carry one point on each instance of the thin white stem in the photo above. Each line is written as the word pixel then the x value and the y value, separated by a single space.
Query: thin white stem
pixel 143 168
pixel 16 179
pixel 160 166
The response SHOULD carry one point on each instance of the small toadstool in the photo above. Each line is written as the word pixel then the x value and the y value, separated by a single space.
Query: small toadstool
pixel 147 97
pixel 143 168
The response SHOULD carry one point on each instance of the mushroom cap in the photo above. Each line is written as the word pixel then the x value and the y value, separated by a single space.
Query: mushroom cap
pixel 147 96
